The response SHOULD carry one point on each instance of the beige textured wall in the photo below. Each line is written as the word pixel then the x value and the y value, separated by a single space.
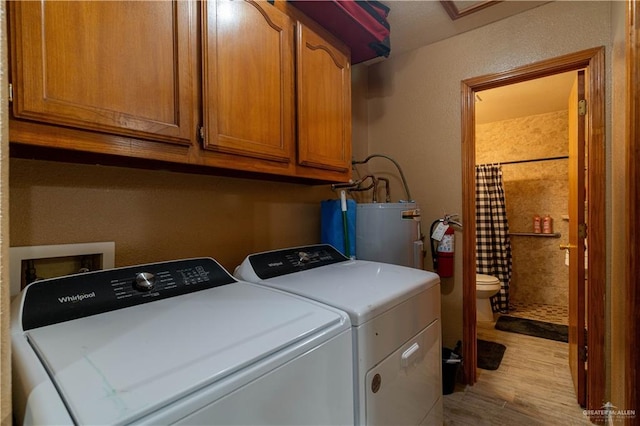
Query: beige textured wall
pixel 414 105
pixel 539 271
pixel 158 215
pixel 359 112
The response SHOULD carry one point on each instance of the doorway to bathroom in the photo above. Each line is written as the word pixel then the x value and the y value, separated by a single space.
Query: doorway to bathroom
pixel 589 382
pixel 522 131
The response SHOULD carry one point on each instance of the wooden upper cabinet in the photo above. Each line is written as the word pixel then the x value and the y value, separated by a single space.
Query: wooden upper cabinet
pixel 270 87
pixel 324 103
pixel 119 67
pixel 248 80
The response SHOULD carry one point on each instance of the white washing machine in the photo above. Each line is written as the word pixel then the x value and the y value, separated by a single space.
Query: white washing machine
pixel 395 315
pixel 177 342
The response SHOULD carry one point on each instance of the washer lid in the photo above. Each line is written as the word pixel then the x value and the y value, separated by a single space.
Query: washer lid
pixel 361 288
pixel 483 279
pixel 119 366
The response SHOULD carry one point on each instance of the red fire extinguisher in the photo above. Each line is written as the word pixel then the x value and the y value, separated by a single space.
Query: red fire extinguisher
pixel 443 247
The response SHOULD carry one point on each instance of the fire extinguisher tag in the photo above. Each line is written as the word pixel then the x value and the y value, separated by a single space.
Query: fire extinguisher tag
pixel 438 233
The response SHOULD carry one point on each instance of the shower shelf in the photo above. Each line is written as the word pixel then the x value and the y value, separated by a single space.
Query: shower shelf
pixel 531 234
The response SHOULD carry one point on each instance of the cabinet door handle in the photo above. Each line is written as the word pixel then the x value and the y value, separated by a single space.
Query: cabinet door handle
pixel 567 246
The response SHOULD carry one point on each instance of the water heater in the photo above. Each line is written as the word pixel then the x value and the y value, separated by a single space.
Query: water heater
pixel 390 233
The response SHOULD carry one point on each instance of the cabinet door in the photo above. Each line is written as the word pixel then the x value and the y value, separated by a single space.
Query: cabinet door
pixel 248 80
pixel 324 103
pixel 120 67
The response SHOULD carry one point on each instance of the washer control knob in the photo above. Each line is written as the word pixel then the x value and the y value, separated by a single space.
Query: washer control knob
pixel 303 257
pixel 144 281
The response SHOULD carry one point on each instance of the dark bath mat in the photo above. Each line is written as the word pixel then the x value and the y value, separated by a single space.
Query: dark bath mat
pixel 490 354
pixel 545 330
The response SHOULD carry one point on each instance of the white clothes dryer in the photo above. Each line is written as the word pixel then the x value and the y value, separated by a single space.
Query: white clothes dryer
pixel 395 315
pixel 179 342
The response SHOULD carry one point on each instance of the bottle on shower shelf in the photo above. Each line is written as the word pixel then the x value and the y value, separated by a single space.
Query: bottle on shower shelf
pixel 537 227
pixel 547 225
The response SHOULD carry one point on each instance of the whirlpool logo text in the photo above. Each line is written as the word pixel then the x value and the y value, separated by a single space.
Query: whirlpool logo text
pixel 77 297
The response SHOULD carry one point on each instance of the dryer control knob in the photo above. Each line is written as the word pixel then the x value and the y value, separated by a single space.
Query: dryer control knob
pixel 303 257
pixel 144 281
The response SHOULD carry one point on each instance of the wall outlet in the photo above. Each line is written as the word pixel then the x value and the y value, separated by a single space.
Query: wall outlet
pixel 31 263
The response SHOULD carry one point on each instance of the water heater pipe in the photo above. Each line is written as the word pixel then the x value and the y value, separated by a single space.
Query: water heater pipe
pixel 343 207
pixel 404 181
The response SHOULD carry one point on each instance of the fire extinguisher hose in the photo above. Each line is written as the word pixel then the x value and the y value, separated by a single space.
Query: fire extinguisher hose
pixel 434 244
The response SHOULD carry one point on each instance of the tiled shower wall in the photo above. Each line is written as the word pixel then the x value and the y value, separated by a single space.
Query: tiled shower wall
pixel 539 271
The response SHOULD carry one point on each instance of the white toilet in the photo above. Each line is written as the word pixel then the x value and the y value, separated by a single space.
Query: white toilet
pixel 486 286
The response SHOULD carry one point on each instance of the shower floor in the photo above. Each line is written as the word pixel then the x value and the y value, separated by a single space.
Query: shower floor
pixel 541 312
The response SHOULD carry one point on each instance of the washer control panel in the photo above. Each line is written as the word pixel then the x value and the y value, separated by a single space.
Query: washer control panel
pixel 287 261
pixel 70 297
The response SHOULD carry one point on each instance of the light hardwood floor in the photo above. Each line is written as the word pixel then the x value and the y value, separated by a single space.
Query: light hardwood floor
pixel 532 386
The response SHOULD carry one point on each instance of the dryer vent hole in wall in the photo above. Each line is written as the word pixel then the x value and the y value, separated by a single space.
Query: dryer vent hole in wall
pixel 32 263
pixel 38 269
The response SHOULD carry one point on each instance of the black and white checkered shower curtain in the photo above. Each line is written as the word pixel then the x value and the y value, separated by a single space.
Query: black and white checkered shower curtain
pixel 493 245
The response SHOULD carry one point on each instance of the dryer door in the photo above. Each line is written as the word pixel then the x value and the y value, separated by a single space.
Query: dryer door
pixel 404 387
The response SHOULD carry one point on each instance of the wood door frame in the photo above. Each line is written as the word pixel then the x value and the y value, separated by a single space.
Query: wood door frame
pixel 632 220
pixel 577 218
pixel 594 61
